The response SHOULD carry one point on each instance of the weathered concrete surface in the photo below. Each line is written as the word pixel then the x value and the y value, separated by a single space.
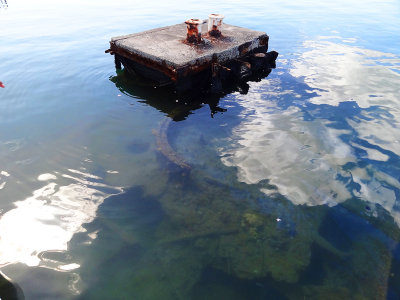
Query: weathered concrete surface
pixel 165 49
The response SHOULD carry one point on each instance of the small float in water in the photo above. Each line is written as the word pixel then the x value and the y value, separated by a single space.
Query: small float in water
pixel 182 57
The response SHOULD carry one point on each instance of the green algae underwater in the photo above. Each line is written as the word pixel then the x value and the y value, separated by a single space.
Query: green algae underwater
pixel 205 235
pixel 228 244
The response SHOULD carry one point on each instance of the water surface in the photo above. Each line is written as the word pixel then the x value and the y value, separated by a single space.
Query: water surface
pixel 286 187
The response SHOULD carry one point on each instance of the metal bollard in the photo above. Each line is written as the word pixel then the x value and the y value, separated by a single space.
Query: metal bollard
pixel 193 30
pixel 215 24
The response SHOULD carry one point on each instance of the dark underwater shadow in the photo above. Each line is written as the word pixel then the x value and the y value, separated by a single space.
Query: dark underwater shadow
pixel 179 106
pixel 10 290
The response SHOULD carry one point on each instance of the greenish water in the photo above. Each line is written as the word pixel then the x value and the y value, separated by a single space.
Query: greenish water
pixel 285 188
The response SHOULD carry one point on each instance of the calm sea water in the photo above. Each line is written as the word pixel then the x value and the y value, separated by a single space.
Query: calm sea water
pixel 292 193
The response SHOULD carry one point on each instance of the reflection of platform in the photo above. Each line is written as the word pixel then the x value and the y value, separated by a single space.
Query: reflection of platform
pixel 179 106
pixel 164 55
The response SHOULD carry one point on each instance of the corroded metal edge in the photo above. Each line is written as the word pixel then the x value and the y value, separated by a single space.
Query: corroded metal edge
pixel 147 62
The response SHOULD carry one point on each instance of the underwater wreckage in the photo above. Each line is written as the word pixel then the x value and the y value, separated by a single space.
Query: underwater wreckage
pixel 182 57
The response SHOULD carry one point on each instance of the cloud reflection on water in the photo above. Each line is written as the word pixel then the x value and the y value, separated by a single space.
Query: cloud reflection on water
pixel 325 146
pixel 292 154
pixel 3 174
pixel 340 72
pixel 48 219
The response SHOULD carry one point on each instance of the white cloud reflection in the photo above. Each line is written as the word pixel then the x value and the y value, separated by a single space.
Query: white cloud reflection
pixel 340 72
pixel 46 177
pixel 384 133
pixel 304 159
pixel 3 174
pixel 300 158
pixel 48 219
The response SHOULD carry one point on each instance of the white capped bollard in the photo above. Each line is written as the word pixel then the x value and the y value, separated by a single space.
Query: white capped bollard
pixel 215 24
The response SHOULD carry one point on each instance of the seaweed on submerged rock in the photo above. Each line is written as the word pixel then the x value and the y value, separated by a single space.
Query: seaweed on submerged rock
pixel 318 252
pixel 235 236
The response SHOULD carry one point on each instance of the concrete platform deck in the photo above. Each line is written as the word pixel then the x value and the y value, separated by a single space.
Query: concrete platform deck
pixel 166 50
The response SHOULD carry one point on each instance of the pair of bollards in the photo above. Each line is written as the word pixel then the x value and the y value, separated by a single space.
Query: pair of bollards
pixel 194 28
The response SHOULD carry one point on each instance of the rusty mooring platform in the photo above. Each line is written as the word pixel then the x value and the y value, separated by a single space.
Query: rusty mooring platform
pixel 181 56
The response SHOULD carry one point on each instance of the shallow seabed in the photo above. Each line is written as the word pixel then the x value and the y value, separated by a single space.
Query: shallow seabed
pixel 285 188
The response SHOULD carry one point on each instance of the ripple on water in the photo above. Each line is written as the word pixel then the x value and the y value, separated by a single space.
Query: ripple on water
pixel 47 220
